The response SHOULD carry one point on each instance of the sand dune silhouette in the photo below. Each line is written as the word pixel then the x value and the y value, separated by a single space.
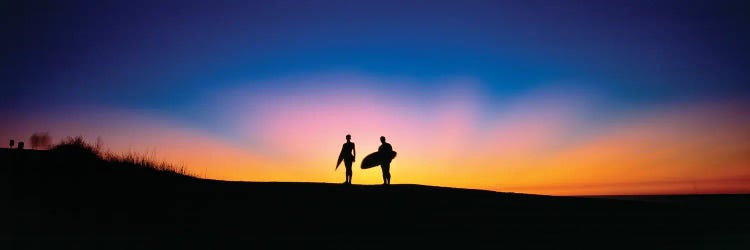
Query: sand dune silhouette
pixel 73 197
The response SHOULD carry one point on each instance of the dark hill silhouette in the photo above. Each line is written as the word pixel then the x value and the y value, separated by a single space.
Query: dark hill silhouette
pixel 75 198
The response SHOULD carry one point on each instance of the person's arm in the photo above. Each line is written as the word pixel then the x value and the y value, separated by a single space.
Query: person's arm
pixel 355 152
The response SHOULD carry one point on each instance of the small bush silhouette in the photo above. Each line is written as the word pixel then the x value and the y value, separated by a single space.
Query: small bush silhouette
pixel 12 142
pixel 76 146
pixel 40 140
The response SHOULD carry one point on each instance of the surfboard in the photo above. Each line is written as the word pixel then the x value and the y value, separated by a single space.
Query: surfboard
pixel 375 159
pixel 341 158
pixel 339 162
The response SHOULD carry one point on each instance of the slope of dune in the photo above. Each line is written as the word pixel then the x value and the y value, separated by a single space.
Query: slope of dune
pixel 53 199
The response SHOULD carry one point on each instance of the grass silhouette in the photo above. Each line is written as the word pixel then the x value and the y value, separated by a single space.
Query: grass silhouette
pixel 77 149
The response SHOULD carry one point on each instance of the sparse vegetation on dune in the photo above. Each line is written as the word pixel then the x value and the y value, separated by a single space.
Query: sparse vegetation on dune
pixel 143 161
pixel 77 148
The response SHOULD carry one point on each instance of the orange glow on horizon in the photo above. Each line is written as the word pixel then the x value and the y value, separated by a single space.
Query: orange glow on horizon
pixel 533 147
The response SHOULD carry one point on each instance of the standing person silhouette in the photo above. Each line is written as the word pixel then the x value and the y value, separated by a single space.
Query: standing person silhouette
pixel 385 148
pixel 348 153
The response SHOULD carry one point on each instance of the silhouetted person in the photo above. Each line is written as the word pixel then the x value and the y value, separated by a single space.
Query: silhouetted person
pixel 348 153
pixel 386 149
pixel 12 142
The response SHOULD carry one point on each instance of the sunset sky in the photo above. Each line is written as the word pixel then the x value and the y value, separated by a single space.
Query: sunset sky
pixel 546 97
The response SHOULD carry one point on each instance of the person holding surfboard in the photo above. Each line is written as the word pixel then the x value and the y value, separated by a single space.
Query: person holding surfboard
pixel 386 149
pixel 347 155
pixel 382 158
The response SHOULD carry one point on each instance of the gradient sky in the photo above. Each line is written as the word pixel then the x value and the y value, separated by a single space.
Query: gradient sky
pixel 549 97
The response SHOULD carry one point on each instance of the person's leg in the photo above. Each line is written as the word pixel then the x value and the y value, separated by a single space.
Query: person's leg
pixel 388 173
pixel 383 168
pixel 348 165
pixel 388 176
pixel 349 175
pixel 346 181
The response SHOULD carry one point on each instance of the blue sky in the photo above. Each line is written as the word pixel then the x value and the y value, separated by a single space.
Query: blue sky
pixel 533 83
pixel 161 54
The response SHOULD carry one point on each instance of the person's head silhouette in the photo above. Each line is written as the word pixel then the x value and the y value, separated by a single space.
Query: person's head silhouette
pixel 382 139
pixel 348 137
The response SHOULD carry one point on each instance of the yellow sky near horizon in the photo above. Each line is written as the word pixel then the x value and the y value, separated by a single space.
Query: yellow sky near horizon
pixel 697 148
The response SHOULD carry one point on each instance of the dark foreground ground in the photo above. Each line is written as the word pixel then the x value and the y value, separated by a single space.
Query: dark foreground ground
pixel 53 201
